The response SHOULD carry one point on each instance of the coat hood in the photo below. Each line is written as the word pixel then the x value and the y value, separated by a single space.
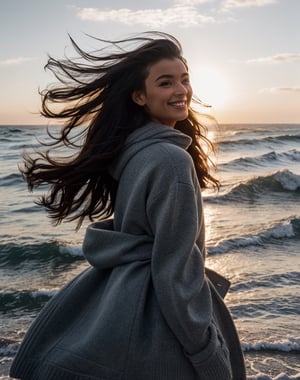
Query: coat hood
pixel 103 247
pixel 149 134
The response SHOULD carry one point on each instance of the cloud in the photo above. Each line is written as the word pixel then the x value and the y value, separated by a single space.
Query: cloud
pixel 292 89
pixel 229 4
pixel 16 61
pixel 183 13
pixel 193 2
pixel 278 58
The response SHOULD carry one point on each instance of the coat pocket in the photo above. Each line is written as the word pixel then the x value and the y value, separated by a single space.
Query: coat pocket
pixel 213 362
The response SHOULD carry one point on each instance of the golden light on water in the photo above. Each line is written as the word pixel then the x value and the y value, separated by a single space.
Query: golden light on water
pixel 210 231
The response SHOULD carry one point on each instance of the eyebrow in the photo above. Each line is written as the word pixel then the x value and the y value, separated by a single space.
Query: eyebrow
pixel 169 76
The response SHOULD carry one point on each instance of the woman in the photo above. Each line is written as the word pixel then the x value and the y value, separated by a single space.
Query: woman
pixel 146 309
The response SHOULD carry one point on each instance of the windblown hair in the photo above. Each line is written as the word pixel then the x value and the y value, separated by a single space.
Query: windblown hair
pixel 94 96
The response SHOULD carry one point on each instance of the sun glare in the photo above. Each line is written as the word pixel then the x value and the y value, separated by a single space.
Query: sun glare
pixel 210 85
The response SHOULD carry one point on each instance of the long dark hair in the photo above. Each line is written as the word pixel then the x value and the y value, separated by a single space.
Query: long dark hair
pixel 94 96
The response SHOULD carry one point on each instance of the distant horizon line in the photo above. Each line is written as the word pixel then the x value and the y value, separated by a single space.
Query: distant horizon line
pixel 219 123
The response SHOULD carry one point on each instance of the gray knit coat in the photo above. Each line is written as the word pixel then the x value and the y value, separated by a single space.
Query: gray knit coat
pixel 146 309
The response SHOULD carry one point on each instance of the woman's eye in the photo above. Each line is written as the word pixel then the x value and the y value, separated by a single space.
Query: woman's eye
pixel 165 84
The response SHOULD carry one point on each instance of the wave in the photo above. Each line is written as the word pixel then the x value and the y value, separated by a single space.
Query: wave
pixel 11 180
pixel 259 186
pixel 281 180
pixel 286 345
pixel 277 280
pixel 22 130
pixel 11 130
pixel 267 308
pixel 23 147
pixel 278 231
pixel 8 347
pixel 5 140
pixel 24 300
pixel 262 160
pixel 31 209
pixel 14 254
pixel 263 141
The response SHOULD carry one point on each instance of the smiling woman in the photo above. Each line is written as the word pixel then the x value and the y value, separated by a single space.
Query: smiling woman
pixel 147 307
pixel 167 94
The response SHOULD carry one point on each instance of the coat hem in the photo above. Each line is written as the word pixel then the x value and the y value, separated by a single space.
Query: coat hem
pixel 35 369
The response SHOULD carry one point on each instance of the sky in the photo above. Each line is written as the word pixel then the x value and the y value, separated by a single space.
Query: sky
pixel 243 55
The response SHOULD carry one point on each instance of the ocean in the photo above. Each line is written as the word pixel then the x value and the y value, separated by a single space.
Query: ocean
pixel 253 238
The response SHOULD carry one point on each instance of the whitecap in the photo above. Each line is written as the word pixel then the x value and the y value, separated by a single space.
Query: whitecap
pixel 73 250
pixel 280 230
pixel 286 345
pixel 288 180
pixel 43 293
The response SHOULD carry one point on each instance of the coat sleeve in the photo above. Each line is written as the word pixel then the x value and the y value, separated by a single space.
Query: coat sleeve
pixel 183 293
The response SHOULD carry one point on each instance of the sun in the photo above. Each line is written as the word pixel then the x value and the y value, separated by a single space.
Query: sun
pixel 210 85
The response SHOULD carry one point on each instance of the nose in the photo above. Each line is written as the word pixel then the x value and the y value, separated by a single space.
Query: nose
pixel 181 89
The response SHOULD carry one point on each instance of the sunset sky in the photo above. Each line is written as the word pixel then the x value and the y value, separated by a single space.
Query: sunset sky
pixel 244 55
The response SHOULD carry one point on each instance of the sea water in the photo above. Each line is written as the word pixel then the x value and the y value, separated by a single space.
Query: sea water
pixel 253 238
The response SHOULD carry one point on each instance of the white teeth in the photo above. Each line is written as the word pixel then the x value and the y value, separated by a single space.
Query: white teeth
pixel 181 104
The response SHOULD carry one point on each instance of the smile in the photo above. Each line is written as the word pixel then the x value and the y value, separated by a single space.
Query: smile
pixel 178 104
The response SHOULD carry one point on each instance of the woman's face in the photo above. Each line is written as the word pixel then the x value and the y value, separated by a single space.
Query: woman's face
pixel 167 93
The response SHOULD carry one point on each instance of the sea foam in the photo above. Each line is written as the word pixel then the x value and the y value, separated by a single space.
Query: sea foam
pixel 286 345
pixel 281 376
